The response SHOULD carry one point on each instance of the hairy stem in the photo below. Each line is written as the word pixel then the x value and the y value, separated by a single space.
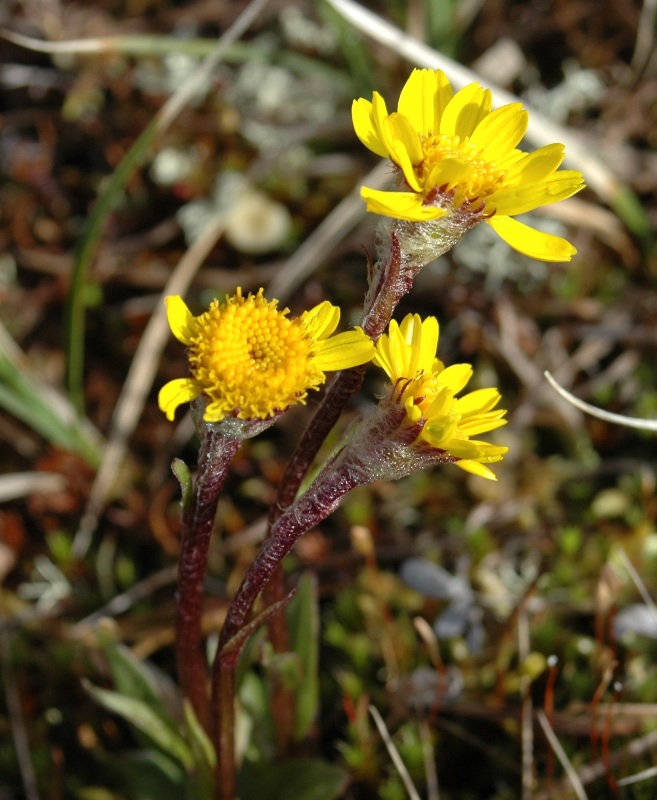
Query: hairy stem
pixel 385 292
pixel 224 685
pixel 314 506
pixel 198 516
pixel 323 497
pixel 380 303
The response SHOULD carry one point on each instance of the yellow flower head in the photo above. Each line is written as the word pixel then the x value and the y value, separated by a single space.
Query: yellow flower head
pixel 250 360
pixel 427 390
pixel 455 152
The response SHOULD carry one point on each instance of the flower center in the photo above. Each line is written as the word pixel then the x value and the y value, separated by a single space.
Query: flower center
pixel 483 177
pixel 250 359
pixel 428 397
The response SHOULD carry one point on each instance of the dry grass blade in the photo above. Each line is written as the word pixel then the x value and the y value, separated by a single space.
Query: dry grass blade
pixel 607 416
pixel 540 131
pixel 394 754
pixel 638 777
pixel 142 372
pixel 560 753
pixel 92 45
pixel 25 484
pixel 644 48
pixel 589 773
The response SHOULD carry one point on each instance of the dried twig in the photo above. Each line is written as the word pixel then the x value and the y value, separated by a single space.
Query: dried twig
pixel 394 754
pixel 607 416
pixel 561 755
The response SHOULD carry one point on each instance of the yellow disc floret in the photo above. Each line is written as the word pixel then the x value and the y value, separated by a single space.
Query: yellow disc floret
pixel 250 360
pixel 480 178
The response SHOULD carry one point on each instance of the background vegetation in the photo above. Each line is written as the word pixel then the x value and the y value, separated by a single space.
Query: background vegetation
pixel 502 630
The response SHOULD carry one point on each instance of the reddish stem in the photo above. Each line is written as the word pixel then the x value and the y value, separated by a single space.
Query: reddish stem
pixel 197 525
pixel 224 716
pixel 391 283
pixel 310 509
pixel 388 287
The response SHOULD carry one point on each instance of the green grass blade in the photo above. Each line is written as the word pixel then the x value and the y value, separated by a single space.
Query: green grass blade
pixel 41 409
pixel 75 312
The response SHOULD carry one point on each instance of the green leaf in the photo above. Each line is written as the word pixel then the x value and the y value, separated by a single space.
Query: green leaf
pixel 299 779
pixel 184 476
pixel 150 775
pixel 303 622
pixel 106 202
pixel 198 737
pixel 41 407
pixel 135 678
pixel 146 720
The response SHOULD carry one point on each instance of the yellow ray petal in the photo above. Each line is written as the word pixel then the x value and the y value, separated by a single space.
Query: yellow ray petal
pixel 501 130
pixel 175 393
pixel 475 449
pixel 322 320
pixel 477 402
pixel 519 199
pixel 476 469
pixel 439 407
pixel 402 205
pixel 382 356
pixel 482 424
pixel 381 122
pixel 417 100
pixel 405 137
pixel 456 376
pixel 344 350
pixel 397 352
pixel 444 94
pixel 465 111
pixel 426 334
pixel 449 172
pixel 536 166
pixel 361 115
pixel 180 319
pixel 530 242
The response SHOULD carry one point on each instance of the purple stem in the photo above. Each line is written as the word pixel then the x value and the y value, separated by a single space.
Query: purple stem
pixel 323 497
pixel 314 506
pixel 198 517
pixel 391 284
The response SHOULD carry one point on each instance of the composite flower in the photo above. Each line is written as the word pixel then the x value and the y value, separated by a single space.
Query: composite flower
pixel 251 360
pixel 453 152
pixel 428 390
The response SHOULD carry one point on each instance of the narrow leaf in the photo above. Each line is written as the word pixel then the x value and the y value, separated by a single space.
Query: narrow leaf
pixel 145 720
